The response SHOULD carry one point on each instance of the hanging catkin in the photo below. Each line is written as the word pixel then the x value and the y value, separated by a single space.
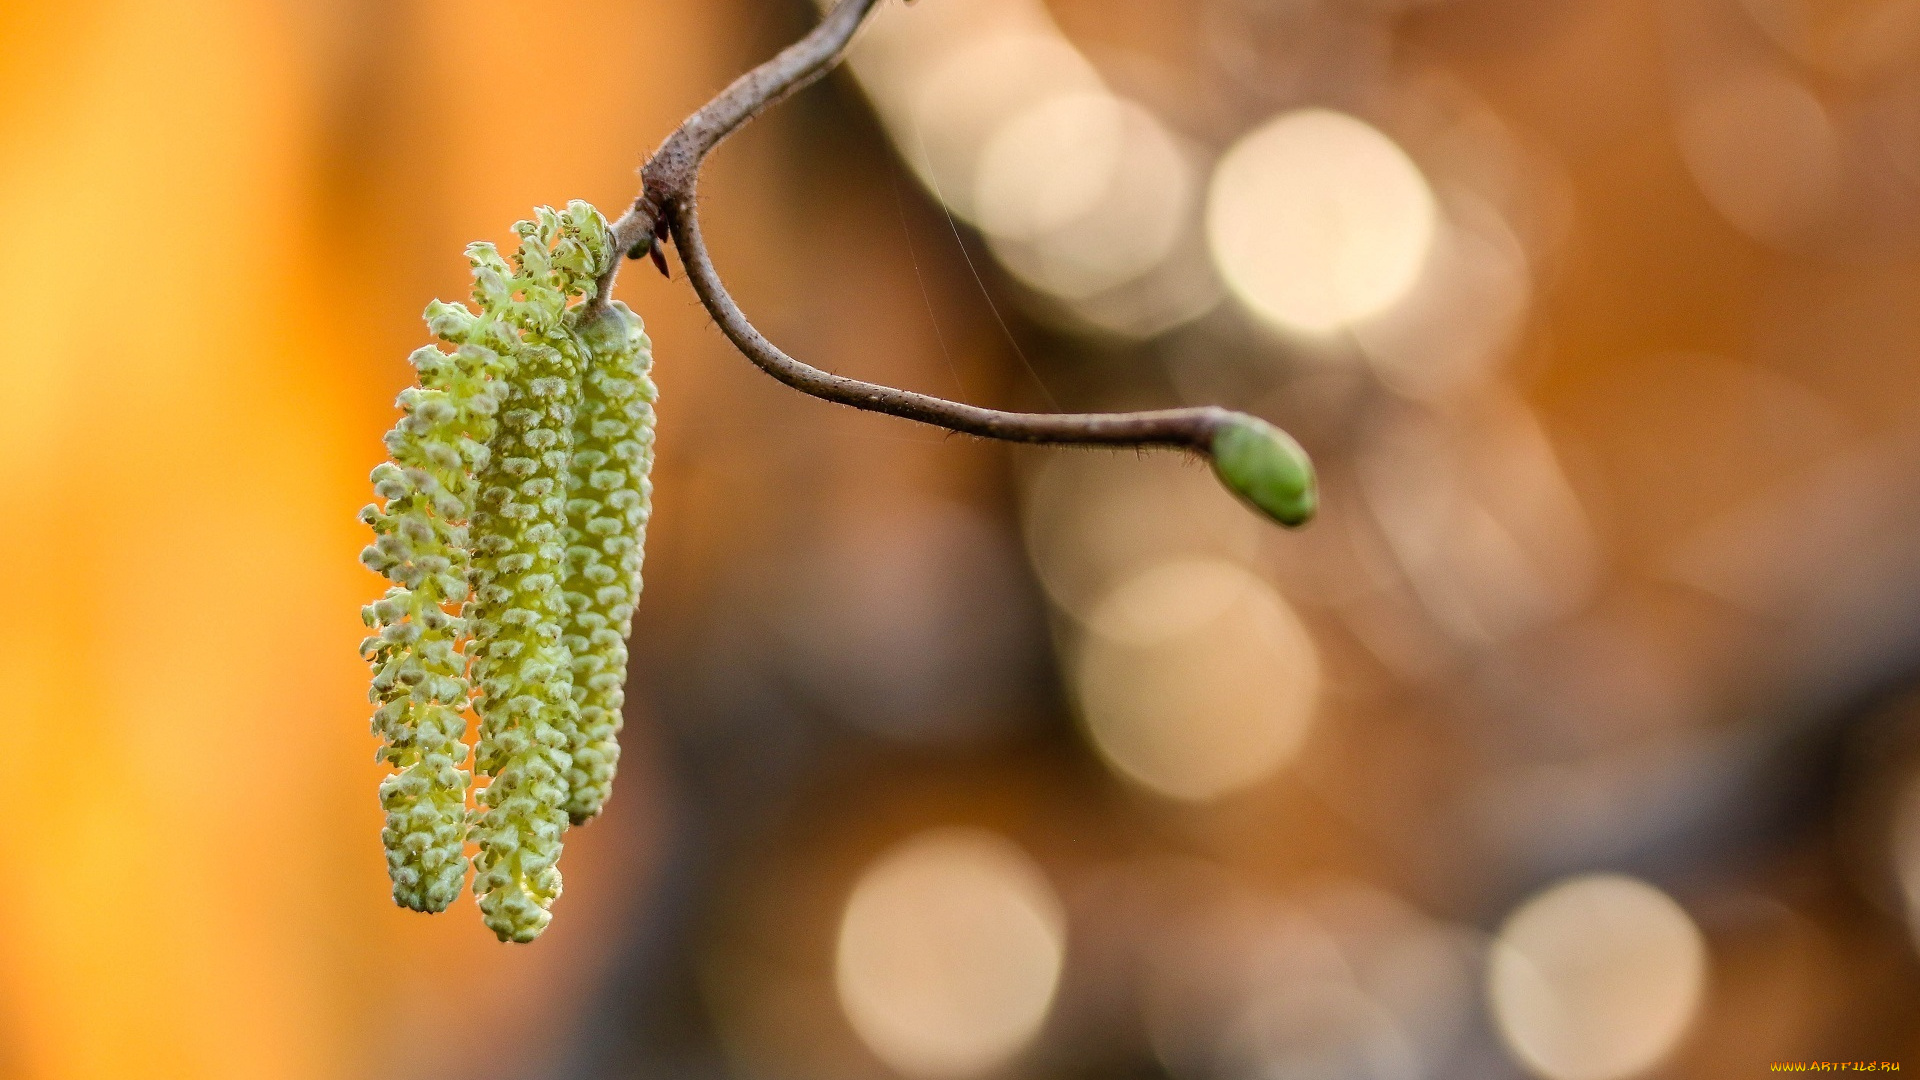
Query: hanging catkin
pixel 420 674
pixel 521 663
pixel 607 512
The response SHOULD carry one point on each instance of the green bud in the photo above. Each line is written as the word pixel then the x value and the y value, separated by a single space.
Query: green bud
pixel 1264 466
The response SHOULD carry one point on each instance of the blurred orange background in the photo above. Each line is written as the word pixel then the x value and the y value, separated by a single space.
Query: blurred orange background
pixel 1616 575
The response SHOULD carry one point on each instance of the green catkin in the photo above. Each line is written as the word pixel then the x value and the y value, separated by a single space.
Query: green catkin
pixel 420 682
pixel 521 663
pixel 607 510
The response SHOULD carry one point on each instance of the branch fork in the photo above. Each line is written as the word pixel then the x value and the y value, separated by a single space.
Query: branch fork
pixel 1257 461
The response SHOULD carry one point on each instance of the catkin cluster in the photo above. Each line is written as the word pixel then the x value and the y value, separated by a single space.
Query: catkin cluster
pixel 515 502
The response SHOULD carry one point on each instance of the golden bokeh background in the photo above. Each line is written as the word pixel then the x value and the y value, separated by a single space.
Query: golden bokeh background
pixel 1577 740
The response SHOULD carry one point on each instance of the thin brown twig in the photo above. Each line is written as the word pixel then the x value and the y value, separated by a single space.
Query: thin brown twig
pixel 666 206
pixel 670 175
pixel 1191 429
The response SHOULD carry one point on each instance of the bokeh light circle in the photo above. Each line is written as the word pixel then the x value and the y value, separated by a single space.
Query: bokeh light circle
pixel 1597 978
pixel 970 94
pixel 1048 165
pixel 949 954
pixel 1084 193
pixel 1196 679
pixel 1317 220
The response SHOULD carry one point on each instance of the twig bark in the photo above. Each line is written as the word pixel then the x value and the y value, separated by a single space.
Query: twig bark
pixel 666 207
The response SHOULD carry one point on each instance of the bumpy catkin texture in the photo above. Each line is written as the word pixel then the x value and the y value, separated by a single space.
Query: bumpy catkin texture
pixel 607 511
pixel 420 683
pixel 520 658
